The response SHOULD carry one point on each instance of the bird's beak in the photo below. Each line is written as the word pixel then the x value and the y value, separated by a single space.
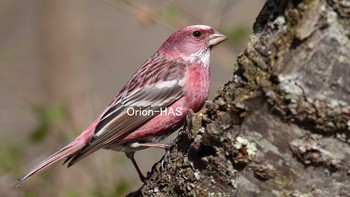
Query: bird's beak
pixel 215 39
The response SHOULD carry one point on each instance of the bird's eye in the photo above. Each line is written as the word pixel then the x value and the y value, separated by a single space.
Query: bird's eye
pixel 196 34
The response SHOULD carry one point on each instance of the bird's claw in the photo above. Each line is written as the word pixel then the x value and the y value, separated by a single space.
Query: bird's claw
pixel 167 152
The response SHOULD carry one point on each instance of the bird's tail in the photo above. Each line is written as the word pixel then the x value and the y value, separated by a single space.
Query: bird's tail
pixel 66 151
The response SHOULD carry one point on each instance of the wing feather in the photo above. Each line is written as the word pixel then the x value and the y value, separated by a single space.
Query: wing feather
pixel 116 123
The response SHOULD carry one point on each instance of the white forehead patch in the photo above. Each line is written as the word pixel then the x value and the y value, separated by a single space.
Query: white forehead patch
pixel 200 26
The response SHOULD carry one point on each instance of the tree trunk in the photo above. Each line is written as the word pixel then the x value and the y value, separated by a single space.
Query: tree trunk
pixel 281 126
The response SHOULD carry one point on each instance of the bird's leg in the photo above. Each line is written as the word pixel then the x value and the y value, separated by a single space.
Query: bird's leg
pixel 130 155
pixel 155 145
pixel 166 147
pixel 209 102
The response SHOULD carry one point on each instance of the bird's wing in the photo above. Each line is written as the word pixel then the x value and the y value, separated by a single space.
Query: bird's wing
pixel 150 90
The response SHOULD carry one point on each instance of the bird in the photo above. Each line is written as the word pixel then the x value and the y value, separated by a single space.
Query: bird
pixel 152 104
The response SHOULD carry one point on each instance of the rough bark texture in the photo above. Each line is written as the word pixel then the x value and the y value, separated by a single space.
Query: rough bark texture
pixel 281 126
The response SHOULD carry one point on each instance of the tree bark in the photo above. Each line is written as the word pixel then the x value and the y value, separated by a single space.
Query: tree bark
pixel 280 126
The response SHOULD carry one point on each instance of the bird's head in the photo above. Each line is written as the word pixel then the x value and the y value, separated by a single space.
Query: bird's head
pixel 192 42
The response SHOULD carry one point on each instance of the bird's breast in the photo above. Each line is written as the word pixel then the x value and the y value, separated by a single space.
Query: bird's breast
pixel 196 86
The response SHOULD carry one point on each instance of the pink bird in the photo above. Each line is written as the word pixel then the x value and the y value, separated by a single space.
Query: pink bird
pixel 152 104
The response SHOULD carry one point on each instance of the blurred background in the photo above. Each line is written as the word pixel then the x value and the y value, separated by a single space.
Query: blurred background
pixel 63 61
